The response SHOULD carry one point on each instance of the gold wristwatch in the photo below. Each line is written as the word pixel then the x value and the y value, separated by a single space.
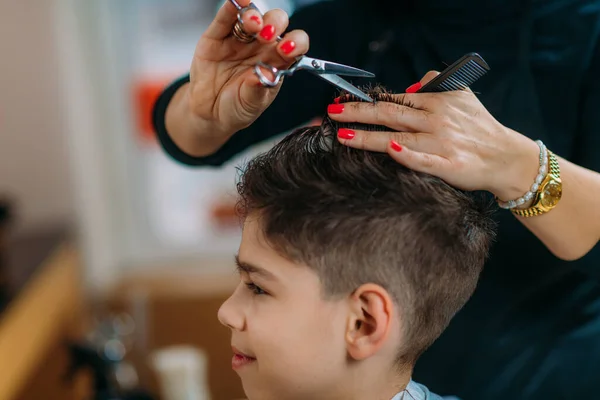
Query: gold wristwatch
pixel 549 192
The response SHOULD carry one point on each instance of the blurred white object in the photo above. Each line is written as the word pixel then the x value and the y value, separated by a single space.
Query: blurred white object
pixel 182 373
pixel 126 376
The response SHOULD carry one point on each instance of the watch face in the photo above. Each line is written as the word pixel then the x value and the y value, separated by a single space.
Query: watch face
pixel 551 194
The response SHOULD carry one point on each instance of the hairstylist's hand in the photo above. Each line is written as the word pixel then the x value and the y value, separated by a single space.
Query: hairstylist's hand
pixel 450 135
pixel 223 90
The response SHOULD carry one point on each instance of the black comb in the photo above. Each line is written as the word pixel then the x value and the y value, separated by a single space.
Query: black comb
pixel 458 76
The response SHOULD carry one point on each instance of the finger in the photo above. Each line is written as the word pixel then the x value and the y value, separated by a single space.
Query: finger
pixel 293 44
pixel 379 141
pixel 415 87
pixel 252 21
pixel 428 77
pixel 394 116
pixel 423 162
pixel 420 101
pixel 254 95
pixel 427 102
pixel 222 25
pixel 275 22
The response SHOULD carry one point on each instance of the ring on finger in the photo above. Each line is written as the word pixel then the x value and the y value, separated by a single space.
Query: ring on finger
pixel 238 29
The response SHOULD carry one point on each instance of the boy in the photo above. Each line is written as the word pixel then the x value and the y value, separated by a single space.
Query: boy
pixel 351 266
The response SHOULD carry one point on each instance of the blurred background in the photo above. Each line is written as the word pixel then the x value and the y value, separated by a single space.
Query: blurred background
pixel 113 258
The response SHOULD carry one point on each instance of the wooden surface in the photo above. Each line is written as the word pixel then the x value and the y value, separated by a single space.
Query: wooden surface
pixel 47 382
pixel 36 324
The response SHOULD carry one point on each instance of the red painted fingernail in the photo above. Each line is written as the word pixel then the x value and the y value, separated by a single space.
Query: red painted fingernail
pixel 255 19
pixel 288 46
pixel 344 133
pixel 413 88
pixel 336 100
pixel 335 108
pixel 267 32
pixel 396 146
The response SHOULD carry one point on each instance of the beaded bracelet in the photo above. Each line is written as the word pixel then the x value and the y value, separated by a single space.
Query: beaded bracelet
pixel 542 172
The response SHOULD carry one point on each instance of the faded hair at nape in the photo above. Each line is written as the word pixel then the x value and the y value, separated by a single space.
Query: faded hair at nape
pixel 359 217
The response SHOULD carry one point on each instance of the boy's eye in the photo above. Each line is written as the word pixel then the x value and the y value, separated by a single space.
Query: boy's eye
pixel 255 289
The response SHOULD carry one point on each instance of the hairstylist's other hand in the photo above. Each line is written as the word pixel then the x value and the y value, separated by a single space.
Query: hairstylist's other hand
pixel 224 94
pixel 450 135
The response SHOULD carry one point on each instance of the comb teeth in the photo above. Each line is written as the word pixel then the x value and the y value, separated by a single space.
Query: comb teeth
pixel 459 76
pixel 463 77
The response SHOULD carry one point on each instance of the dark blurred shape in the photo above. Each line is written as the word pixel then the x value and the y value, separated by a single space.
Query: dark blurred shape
pixel 25 253
pixel 83 356
pixel 302 3
pixel 6 214
pixel 105 388
pixel 22 253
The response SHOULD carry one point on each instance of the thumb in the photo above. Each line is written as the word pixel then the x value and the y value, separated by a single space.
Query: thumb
pixel 253 96
pixel 428 77
pixel 424 80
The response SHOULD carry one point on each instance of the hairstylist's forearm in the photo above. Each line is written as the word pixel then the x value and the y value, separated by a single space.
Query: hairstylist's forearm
pixel 193 135
pixel 571 229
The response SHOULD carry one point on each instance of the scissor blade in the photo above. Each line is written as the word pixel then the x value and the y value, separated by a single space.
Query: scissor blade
pixel 340 69
pixel 345 85
pixel 326 67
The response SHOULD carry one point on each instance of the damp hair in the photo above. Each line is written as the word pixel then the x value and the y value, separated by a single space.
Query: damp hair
pixel 359 217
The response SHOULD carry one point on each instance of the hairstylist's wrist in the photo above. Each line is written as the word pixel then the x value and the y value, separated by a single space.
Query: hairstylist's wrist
pixel 193 135
pixel 520 169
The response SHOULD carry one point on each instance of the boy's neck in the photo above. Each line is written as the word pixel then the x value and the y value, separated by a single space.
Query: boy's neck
pixel 374 386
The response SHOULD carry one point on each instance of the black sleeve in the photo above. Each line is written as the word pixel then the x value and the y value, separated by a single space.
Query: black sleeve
pixel 301 98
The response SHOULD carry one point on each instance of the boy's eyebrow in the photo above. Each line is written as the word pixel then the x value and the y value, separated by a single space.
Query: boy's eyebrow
pixel 253 269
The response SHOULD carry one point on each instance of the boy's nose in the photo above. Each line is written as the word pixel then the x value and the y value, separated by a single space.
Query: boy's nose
pixel 230 315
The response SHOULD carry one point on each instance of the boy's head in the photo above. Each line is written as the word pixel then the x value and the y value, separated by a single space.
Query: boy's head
pixel 351 266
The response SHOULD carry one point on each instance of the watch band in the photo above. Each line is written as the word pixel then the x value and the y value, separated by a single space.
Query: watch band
pixel 535 209
pixel 528 212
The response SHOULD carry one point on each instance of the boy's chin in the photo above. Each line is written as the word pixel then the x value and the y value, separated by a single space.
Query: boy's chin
pixel 253 390
pixel 256 388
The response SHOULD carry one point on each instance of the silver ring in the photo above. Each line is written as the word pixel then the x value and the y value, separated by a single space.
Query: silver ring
pixel 238 29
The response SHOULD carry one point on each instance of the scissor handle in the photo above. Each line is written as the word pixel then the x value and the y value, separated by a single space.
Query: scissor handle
pixel 277 73
pixel 263 78
pixel 241 10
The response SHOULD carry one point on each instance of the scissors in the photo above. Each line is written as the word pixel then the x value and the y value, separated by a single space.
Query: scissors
pixel 326 70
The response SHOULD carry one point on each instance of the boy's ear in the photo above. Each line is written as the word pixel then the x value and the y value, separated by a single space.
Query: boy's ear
pixel 369 322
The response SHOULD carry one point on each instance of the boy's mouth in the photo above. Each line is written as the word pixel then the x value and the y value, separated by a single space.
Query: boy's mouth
pixel 240 359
